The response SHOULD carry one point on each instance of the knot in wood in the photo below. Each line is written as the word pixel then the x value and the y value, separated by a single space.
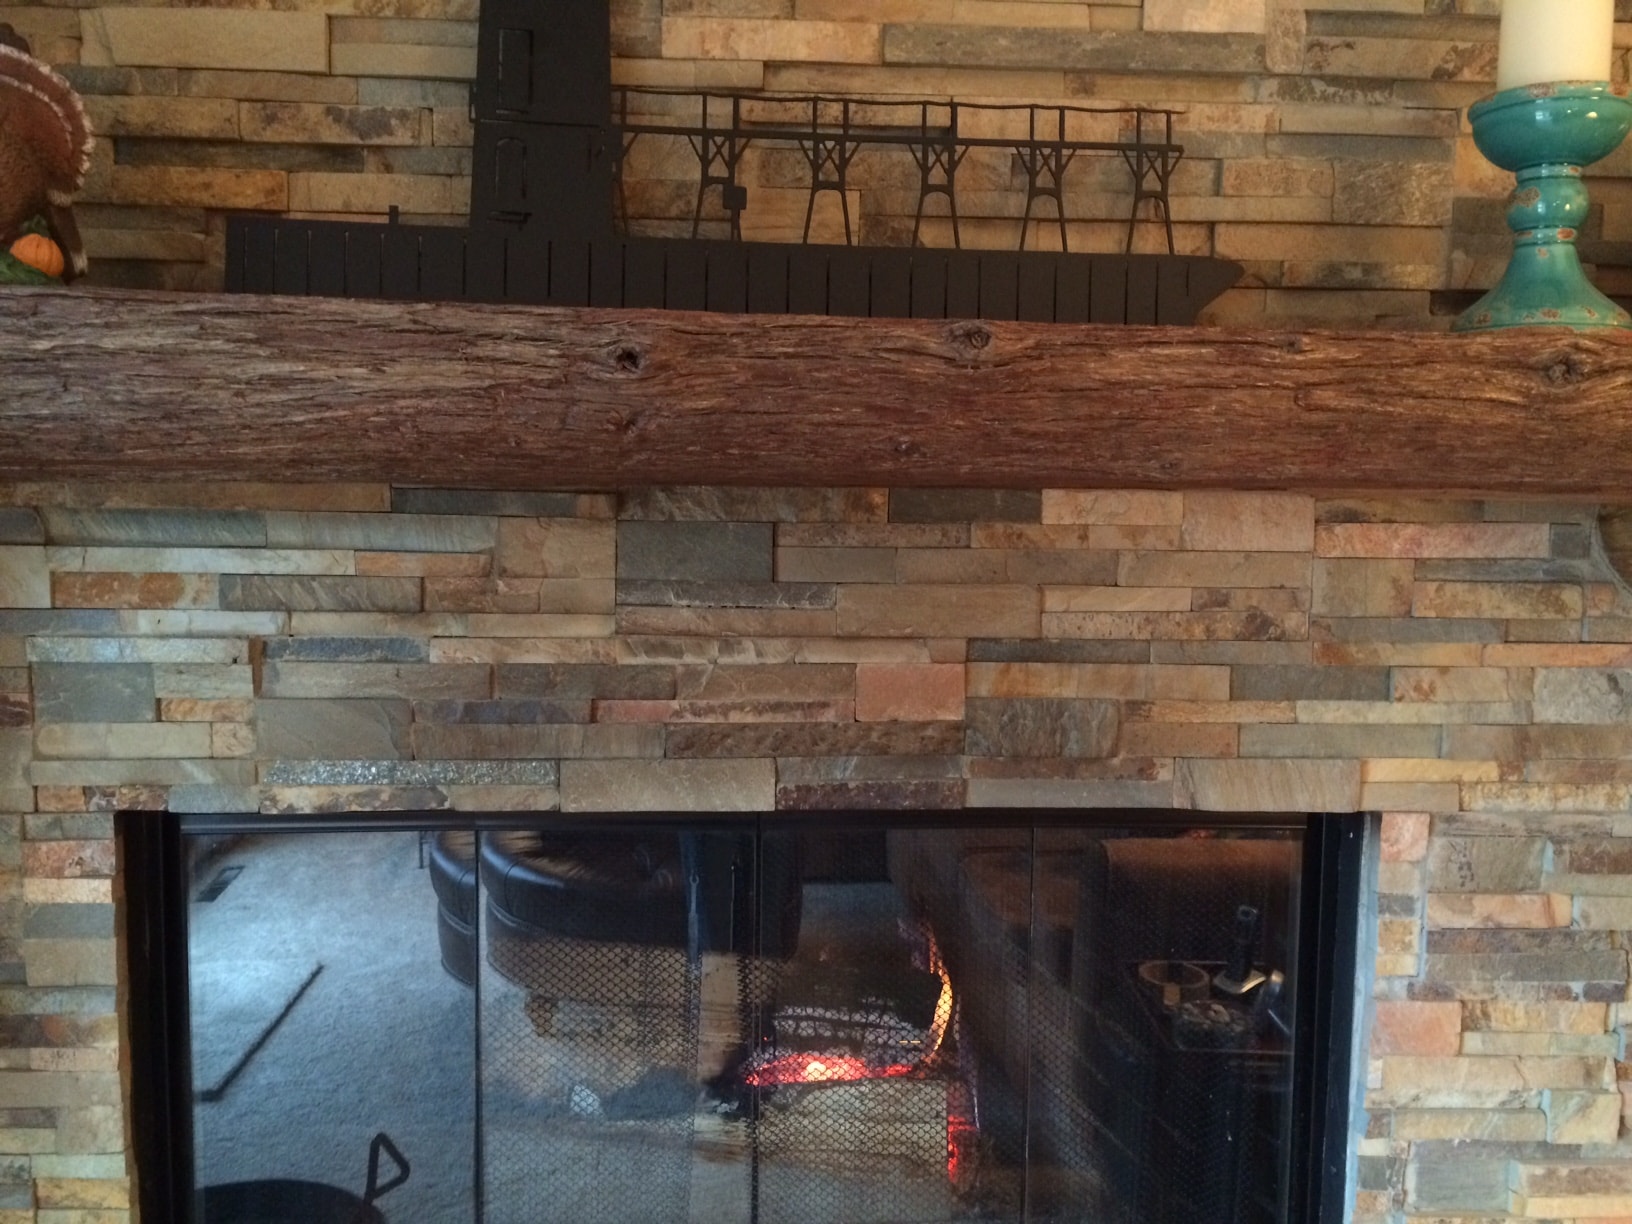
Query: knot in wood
pixel 970 338
pixel 1566 370
pixel 627 358
pixel 906 448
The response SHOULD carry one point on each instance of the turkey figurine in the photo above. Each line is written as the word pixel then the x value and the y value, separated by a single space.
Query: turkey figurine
pixel 45 149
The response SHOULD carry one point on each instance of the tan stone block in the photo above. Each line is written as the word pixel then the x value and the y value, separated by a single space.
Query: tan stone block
pixel 950 81
pixel 1213 569
pixel 67 892
pixel 103 741
pixel 1193 740
pixel 207 38
pixel 25 577
pixel 104 590
pixel 232 740
pixel 266 86
pixel 322 192
pixel 1442 540
pixel 556 548
pixel 1206 16
pixel 1248 522
pixel 426 565
pixel 1479 1125
pixel 1582 1117
pixel 1214 711
pixel 1416 769
pixel 314 123
pixel 1516 911
pixel 1116 599
pixel 1601 913
pixel 1430 796
pixel 1118 17
pixel 1024 14
pixel 1460 684
pixel 1404 837
pixel 1353 243
pixel 190 187
pixel 835 564
pixel 1525 654
pixel 834 42
pixel 691 74
pixel 404 60
pixel 58 1194
pixel 1277 177
pixel 935 611
pixel 175 118
pixel 417 31
pixel 1120 507
pixel 1267 785
pixel 643 786
pixel 187 709
pixel 1397 654
pixel 156 245
pixel 1226 626
pixel 1498 600
pixel 1362 587
pixel 1400 1027
pixel 909 693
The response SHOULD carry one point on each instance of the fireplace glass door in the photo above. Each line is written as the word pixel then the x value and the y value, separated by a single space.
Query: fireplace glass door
pixel 845 1019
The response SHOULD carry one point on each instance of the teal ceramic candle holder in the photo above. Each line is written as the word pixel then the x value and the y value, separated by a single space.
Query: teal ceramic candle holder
pixel 1545 134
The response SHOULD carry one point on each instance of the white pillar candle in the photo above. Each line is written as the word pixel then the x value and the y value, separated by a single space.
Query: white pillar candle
pixel 1554 40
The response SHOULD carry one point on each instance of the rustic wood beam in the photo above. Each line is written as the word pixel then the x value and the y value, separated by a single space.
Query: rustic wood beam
pixel 103 385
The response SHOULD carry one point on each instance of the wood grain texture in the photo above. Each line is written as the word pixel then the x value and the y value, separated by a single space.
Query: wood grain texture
pixel 123 385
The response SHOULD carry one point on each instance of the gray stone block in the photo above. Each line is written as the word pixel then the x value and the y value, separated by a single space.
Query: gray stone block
pixel 1360 147
pixel 1570 541
pixel 1558 570
pixel 207 799
pixel 513 504
pixel 1485 864
pixel 20 525
pixel 714 504
pixel 412 773
pixel 69 826
pixel 156 528
pixel 1309 684
pixel 70 921
pixel 1577 695
pixel 502 711
pixel 695 552
pixel 814 739
pixel 572 681
pixel 94 693
pixel 59 622
pixel 1041 728
pixel 382 532
pixel 349 649
pixel 1339 741
pixel 966 506
pixel 1460 1184
pixel 424 681
pixel 302 593
pixel 329 729
pixel 1024 650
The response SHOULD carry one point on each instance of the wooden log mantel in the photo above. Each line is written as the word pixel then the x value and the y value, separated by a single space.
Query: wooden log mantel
pixel 105 385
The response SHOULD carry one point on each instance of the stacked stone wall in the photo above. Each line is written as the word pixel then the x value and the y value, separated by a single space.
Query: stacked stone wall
pixel 1326 142
pixel 1461 667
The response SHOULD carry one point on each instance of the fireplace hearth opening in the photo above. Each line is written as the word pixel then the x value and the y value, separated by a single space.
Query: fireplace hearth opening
pixel 847 1017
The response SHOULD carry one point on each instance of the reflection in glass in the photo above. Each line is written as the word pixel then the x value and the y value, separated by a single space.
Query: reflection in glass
pixel 321 1021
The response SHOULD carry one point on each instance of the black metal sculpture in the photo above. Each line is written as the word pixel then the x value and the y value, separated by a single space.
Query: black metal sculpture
pixel 550 217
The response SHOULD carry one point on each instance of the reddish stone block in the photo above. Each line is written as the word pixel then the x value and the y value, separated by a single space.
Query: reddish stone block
pixel 909 692
pixel 1416 1028
pixel 1405 837
pixel 68 859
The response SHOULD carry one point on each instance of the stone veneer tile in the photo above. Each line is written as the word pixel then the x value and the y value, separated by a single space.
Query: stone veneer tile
pixel 1118 508
pixel 304 594
pixel 939 611
pixel 565 682
pixel 1370 588
pixel 411 773
pixel 644 786
pixel 1248 522
pixel 256 41
pixel 478 741
pixel 484 502
pixel 557 548
pixel 20 525
pixel 1403 837
pixel 781 594
pixel 855 505
pixel 347 649
pixel 1291 683
pixel 1268 785
pixel 909 692
pixel 1475 540
pixel 1033 650
pixel 119 741
pixel 1068 793
pixel 833 565
pixel 348 728
pixel 816 739
pixel 411 680
pixel 873 535
pixel 382 532
pixel 94 692
pixel 1041 727
pixel 25 578
pixel 965 506
pixel 1213 569
pixel 1485 864
pixel 919 795
pixel 695 552
pixel 156 528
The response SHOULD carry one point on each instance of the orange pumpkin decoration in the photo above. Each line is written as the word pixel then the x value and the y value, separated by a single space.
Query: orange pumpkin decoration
pixel 38 251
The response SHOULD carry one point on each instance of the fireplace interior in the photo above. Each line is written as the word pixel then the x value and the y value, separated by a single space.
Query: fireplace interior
pixel 844 1017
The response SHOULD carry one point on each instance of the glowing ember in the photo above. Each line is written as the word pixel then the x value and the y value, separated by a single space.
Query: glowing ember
pixel 839 1068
